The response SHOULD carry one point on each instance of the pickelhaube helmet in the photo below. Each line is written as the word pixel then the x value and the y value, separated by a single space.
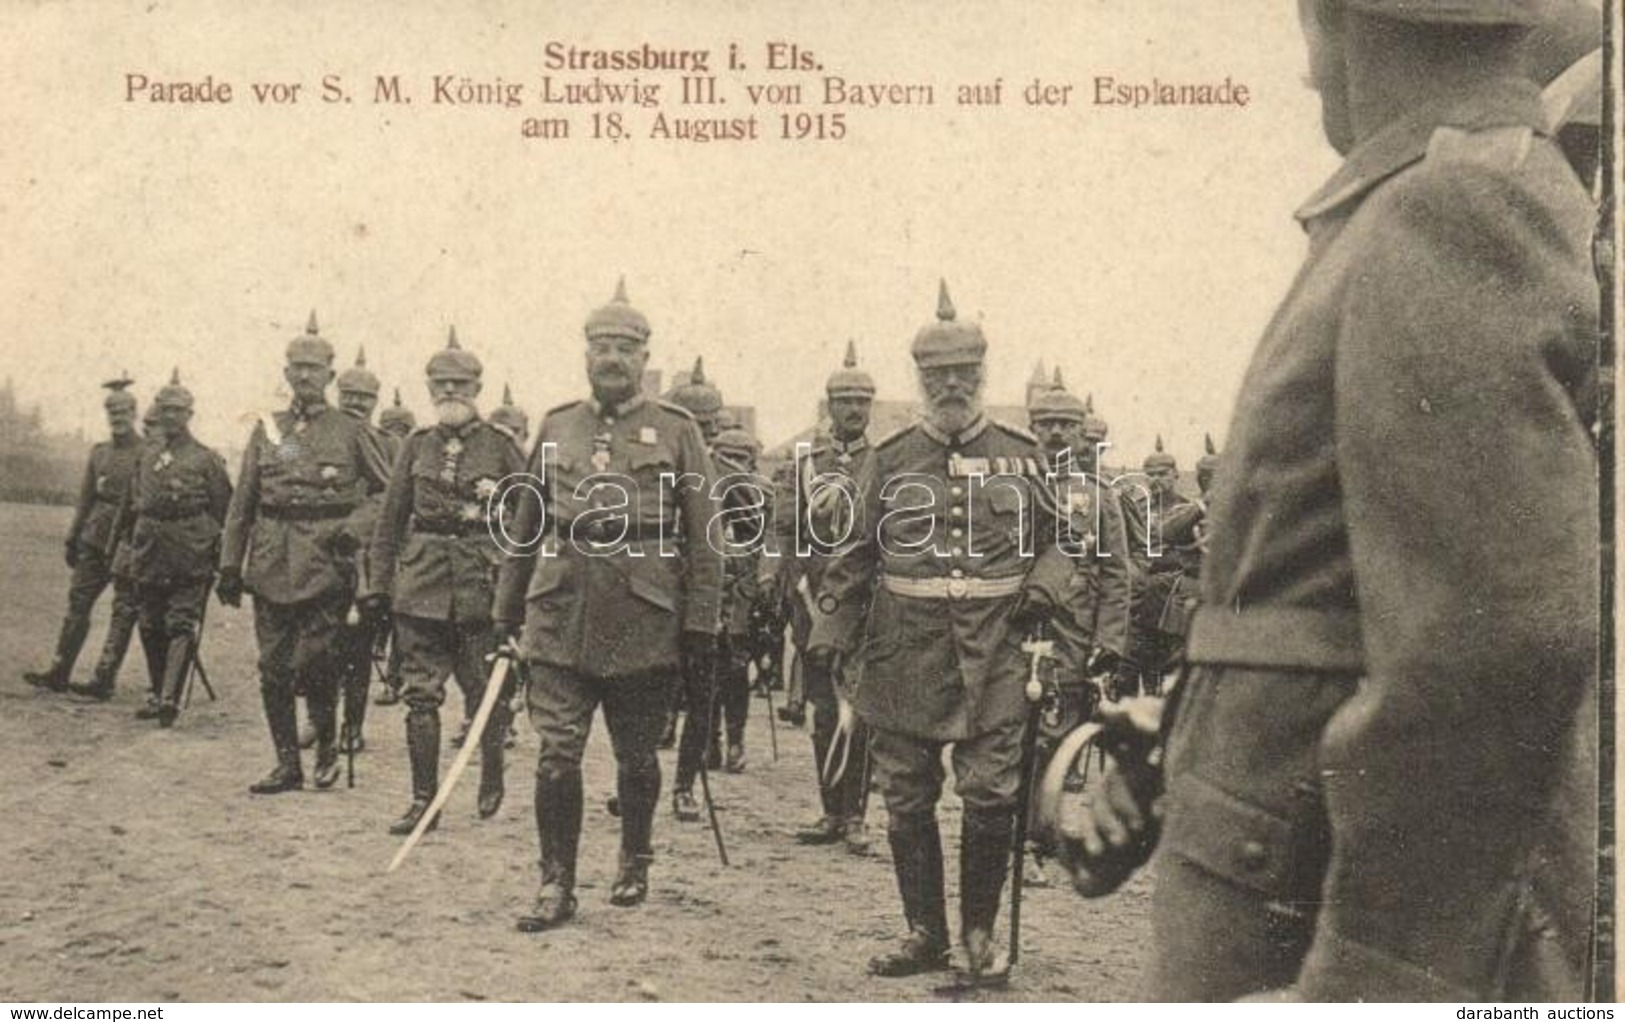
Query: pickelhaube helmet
pixel 150 420
pixel 1159 458
pixel 618 318
pixel 1209 461
pixel 1457 12
pixel 696 394
pixel 310 347
pixel 735 447
pixel 172 394
pixel 510 415
pixel 397 417
pixel 118 392
pixel 947 342
pixel 1094 427
pixel 1055 402
pixel 453 363
pixel 358 379
pixel 849 380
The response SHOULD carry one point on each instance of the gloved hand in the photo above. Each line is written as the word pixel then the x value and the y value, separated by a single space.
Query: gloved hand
pixel 70 554
pixel 230 587
pixel 506 633
pixel 1034 609
pixel 1102 663
pixel 1103 845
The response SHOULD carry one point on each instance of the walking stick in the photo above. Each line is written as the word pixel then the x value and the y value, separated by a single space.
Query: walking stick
pixel 705 774
pixel 1038 650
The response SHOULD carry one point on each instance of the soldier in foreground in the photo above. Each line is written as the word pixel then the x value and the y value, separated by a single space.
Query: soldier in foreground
pixel 746 499
pixel 634 549
pixel 1399 604
pixel 944 580
pixel 88 549
pixel 815 522
pixel 290 541
pixel 434 563
pixel 177 504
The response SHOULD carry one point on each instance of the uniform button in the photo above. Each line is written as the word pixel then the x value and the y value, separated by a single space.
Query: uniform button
pixel 956 533
pixel 958 491
pixel 1253 856
pixel 957 511
pixel 956 573
pixel 958 551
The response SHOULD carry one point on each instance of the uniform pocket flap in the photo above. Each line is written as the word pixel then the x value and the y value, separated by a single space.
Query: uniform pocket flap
pixel 652 591
pixel 651 458
pixel 549 576
pixel 1240 842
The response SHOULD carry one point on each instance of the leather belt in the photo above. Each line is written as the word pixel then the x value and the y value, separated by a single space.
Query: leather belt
pixel 172 512
pixel 610 530
pixel 1301 638
pixel 944 587
pixel 305 512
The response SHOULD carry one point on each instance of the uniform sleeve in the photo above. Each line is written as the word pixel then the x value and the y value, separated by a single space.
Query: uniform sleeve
pixel 87 496
pixel 375 458
pixel 847 585
pixel 385 548
pixel 1470 484
pixel 1112 562
pixel 219 488
pixel 513 577
pixel 703 539
pixel 245 502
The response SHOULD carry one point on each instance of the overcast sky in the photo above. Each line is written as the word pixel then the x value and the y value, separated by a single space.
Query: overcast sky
pixel 1142 250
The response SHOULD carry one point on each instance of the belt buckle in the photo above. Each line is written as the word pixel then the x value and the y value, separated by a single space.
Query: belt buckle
pixel 958 588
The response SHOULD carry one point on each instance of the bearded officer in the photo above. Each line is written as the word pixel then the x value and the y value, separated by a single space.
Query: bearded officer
pixel 88 549
pixel 289 542
pixel 815 523
pixel 1406 638
pixel 177 504
pixel 621 527
pixel 931 599
pixel 434 563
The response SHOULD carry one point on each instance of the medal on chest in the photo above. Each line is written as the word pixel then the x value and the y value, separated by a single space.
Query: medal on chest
pixel 600 452
pixel 165 459
pixel 451 450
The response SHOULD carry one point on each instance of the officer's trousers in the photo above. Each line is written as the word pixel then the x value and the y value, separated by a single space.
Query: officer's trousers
pixel 844 799
pixel 91 576
pixel 299 652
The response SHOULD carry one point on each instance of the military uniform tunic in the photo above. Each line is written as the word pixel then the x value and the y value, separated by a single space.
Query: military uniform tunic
pixel 305 473
pixel 178 500
pixel 1399 598
pixel 948 529
pixel 92 544
pixel 436 555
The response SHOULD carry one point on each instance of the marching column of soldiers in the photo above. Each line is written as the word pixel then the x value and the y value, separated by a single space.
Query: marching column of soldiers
pixel 964 597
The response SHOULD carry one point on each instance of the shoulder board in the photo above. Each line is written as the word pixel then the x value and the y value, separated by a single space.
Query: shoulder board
pixel 1505 147
pixel 894 436
pixel 1016 431
pixel 675 409
pixel 556 409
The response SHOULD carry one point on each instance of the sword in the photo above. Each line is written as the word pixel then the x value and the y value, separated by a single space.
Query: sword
pixel 493 691
pixel 1038 649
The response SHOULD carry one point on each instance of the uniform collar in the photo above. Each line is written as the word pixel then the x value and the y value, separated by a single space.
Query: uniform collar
pixel 130 439
pixel 959 439
pixel 621 410
pixel 302 411
pixel 850 447
pixel 461 431
pixel 1504 102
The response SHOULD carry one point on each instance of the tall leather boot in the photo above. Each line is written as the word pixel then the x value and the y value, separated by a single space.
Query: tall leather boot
pixel 423 748
pixel 558 832
pixel 153 647
pixel 984 859
pixel 356 680
pixel 916 847
pixel 120 629
pixel 177 662
pixel 322 704
pixel 638 788
pixel 492 743
pixel 280 718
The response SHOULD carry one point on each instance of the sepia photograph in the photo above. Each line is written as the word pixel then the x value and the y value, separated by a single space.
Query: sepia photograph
pixel 978 502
